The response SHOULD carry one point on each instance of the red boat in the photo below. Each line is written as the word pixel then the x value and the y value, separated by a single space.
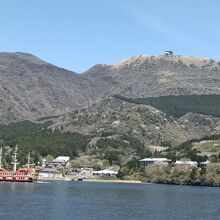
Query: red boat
pixel 25 174
pixel 21 175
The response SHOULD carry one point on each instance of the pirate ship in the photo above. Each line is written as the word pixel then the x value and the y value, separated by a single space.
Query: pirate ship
pixel 24 174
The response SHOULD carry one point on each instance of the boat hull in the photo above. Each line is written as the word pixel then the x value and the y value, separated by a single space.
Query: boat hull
pixel 18 179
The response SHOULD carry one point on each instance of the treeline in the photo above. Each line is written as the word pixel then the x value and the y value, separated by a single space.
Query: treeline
pixel 183 175
pixel 180 105
pixel 40 140
pixel 118 150
pixel 187 150
pixel 166 174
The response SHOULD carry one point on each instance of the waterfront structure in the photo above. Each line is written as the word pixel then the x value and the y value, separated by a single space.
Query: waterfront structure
pixel 50 173
pixel 25 174
pixel 148 161
pixel 106 172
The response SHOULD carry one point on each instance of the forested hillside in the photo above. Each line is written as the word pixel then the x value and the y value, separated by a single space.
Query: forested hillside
pixel 180 105
pixel 43 141
pixel 40 140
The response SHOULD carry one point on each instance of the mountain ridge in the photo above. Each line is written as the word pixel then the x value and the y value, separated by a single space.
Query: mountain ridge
pixel 31 88
pixel 150 76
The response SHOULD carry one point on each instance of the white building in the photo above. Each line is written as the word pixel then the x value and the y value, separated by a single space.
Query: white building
pixel 168 53
pixel 61 160
pixel 148 161
pixel 186 162
pixel 49 173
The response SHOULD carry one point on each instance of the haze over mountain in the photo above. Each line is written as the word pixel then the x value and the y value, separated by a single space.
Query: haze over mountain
pixel 31 88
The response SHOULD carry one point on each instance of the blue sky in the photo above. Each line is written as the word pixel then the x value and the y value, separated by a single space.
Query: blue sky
pixel 77 34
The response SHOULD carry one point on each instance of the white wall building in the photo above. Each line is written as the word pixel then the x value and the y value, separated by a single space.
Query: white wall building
pixel 148 161
pixel 61 160
pixel 186 162
pixel 49 173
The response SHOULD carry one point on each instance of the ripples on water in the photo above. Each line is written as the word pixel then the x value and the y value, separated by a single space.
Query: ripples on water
pixel 86 200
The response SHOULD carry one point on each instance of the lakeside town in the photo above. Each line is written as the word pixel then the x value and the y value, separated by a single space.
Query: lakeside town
pixel 60 168
pixel 147 170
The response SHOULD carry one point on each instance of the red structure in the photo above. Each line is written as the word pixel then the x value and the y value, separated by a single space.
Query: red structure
pixel 25 174
pixel 21 175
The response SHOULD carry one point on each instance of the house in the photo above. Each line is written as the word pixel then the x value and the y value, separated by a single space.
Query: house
pixel 168 53
pixel 50 173
pixel 61 161
pixel 148 161
pixel 186 162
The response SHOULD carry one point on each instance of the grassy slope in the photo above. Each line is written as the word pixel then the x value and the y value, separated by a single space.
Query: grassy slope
pixel 208 147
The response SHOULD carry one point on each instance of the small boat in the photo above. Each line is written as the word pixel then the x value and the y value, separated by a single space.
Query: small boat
pixel 25 174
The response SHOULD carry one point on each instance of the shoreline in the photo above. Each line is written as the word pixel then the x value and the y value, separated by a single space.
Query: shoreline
pixel 114 181
pixel 92 180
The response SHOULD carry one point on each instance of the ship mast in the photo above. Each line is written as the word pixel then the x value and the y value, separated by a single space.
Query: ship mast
pixel 15 158
pixel 28 157
pixel 0 157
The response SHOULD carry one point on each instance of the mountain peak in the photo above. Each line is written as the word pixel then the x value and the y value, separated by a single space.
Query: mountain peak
pixel 186 60
pixel 150 76
pixel 135 60
pixel 20 56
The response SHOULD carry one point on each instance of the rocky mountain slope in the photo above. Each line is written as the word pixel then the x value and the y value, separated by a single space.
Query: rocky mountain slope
pixel 112 118
pixel 31 88
pixel 149 76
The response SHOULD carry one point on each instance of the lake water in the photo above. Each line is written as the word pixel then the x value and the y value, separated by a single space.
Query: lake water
pixel 86 200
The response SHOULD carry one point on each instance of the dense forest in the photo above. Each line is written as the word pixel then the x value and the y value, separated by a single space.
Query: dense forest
pixel 119 150
pixel 180 105
pixel 40 140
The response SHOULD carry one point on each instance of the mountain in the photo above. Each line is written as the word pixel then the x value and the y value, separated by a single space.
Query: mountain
pixel 120 109
pixel 113 118
pixel 31 88
pixel 149 76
